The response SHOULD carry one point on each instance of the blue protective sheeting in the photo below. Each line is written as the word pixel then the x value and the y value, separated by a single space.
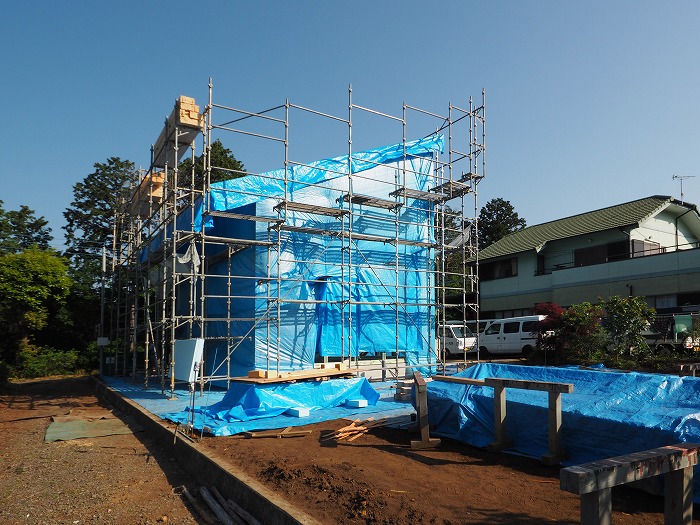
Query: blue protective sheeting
pixel 317 291
pixel 234 193
pixel 247 407
pixel 608 414
pixel 327 307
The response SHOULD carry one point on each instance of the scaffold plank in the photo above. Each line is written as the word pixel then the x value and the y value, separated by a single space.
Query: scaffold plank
pixel 310 208
pixel 367 200
pixel 420 195
pixel 242 216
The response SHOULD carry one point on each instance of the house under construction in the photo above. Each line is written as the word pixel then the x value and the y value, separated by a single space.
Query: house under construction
pixel 348 260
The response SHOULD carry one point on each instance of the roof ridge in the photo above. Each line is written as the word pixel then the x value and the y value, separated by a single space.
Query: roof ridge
pixel 659 197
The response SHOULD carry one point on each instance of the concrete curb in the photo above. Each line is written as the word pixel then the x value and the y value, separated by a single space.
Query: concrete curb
pixel 210 470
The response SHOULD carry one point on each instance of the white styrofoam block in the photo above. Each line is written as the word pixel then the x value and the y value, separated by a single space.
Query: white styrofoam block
pixel 298 412
pixel 356 403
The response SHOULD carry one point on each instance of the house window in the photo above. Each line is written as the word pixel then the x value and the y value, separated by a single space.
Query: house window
pixel 499 269
pixel 641 248
pixel 540 264
pixel 666 301
pixel 614 251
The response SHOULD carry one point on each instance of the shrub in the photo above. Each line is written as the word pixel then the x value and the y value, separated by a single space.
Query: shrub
pixel 581 336
pixel 34 361
pixel 624 320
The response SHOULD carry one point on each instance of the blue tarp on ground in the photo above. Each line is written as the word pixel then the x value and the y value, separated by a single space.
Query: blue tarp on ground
pixel 609 413
pixel 250 407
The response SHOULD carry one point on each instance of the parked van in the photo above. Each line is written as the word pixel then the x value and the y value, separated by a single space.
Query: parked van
pixel 513 335
pixel 472 325
pixel 454 338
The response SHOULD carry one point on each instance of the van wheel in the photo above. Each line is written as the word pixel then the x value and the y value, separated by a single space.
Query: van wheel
pixel 483 351
pixel 527 350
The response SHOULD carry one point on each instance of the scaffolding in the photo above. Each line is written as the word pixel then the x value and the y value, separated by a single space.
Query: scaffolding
pixel 177 278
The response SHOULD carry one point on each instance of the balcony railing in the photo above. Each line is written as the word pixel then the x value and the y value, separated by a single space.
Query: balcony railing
pixel 637 254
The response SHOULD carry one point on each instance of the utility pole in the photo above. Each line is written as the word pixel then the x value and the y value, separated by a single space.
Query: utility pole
pixel 680 178
pixel 101 340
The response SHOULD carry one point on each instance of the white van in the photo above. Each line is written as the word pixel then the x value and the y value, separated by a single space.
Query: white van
pixel 454 338
pixel 513 335
pixel 483 323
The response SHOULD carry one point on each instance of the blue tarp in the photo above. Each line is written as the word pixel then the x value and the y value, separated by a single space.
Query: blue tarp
pixel 247 407
pixel 609 413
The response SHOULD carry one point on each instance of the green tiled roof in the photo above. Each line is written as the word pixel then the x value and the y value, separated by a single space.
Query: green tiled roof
pixel 620 216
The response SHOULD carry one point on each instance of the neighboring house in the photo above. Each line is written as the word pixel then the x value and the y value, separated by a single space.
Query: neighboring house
pixel 648 247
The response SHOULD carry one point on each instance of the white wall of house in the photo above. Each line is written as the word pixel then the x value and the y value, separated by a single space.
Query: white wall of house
pixel 663 274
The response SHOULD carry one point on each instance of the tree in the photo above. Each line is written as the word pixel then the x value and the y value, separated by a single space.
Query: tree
pixel 496 220
pixel 224 164
pixel 20 229
pixel 625 319
pixel 33 287
pixel 581 336
pixel 96 200
pixel 553 320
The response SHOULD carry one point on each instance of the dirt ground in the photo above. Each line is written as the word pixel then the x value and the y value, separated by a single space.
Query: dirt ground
pixel 375 479
pixel 114 480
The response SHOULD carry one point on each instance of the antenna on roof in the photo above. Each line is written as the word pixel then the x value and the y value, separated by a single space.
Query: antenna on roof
pixel 680 178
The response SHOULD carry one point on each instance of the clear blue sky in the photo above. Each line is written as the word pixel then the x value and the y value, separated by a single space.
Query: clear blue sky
pixel 589 104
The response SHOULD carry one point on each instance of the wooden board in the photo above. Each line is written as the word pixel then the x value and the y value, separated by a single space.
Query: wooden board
pixel 545 386
pixel 608 473
pixel 284 377
pixel 460 380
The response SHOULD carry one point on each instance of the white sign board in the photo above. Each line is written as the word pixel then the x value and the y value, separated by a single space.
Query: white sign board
pixel 188 353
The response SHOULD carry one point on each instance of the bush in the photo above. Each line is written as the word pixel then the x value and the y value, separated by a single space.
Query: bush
pixel 89 359
pixel 581 337
pixel 34 361
pixel 625 319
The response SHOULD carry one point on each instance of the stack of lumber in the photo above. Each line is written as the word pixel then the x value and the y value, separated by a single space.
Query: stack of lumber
pixel 359 428
pixel 186 113
pixel 181 129
pixel 272 376
pixel 148 195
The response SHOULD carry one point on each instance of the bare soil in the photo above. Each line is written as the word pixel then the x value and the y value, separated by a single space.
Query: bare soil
pixel 122 479
pixel 375 479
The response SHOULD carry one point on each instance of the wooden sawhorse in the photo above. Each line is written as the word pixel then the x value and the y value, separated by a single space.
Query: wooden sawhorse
pixel 555 453
pixel 593 482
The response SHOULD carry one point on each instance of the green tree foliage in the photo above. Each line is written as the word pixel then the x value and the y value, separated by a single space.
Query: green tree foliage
pixel 610 331
pixel 35 361
pixel 91 220
pixel 96 199
pixel 20 229
pixel 497 219
pixel 581 336
pixel 33 288
pixel 624 320
pixel 224 166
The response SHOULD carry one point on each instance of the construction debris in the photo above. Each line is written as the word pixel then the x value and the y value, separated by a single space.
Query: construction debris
pixel 358 428
pixel 200 510
pixel 286 433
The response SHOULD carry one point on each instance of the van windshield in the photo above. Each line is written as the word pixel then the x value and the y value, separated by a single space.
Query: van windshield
pixel 462 331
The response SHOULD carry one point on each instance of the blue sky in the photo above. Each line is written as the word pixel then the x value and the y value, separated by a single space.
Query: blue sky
pixel 589 104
